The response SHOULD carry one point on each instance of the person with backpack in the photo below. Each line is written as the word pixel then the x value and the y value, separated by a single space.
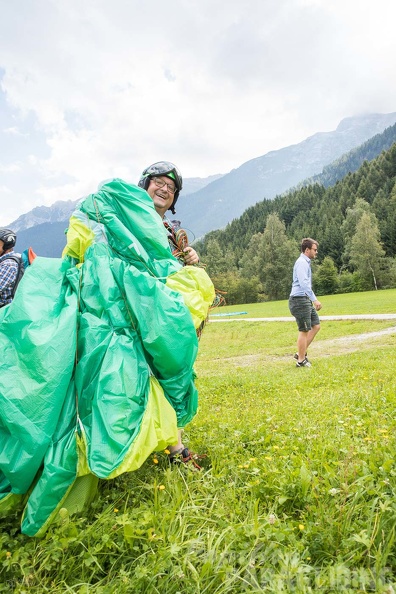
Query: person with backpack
pixel 11 267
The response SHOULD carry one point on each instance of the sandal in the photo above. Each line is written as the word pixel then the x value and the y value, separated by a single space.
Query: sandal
pixel 184 455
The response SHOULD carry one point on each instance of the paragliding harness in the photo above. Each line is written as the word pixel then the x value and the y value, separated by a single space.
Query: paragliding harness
pixel 177 238
pixel 22 260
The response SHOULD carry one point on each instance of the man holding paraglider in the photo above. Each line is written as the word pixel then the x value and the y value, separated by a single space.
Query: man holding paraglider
pixel 113 381
pixel 163 183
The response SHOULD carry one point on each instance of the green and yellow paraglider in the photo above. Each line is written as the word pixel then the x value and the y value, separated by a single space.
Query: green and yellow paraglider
pixel 98 349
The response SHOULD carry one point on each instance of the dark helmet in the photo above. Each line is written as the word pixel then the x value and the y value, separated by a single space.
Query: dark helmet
pixel 8 238
pixel 163 168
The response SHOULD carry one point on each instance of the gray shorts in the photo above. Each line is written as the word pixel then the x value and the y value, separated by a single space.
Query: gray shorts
pixel 304 312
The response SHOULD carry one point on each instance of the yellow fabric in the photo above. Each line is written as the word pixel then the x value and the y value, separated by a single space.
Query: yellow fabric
pixel 10 502
pixel 158 429
pixel 79 238
pixel 194 284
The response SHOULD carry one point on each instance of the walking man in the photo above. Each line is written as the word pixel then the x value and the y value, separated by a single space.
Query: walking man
pixel 303 303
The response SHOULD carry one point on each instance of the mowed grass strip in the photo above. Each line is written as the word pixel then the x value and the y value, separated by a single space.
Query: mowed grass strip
pixel 226 340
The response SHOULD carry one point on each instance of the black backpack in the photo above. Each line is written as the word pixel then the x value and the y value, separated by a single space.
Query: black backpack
pixel 21 270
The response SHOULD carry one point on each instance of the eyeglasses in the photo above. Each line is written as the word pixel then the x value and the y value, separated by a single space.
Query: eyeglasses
pixel 160 183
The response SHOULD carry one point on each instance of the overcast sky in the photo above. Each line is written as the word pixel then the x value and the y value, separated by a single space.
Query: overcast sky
pixel 92 89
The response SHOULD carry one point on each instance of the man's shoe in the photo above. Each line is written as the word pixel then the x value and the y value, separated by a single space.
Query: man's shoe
pixel 304 363
pixel 296 356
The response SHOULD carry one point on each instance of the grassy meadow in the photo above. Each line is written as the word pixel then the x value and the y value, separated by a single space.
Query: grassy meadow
pixel 368 302
pixel 298 490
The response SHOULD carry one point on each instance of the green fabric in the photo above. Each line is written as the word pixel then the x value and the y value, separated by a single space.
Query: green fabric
pixel 37 338
pixel 97 367
pixel 121 208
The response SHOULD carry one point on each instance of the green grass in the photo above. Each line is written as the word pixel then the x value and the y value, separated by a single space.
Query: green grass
pixel 229 339
pixel 369 302
pixel 297 493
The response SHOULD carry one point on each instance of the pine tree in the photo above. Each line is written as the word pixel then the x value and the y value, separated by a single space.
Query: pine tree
pixel 215 260
pixel 366 253
pixel 349 226
pixel 250 261
pixel 276 259
pixel 326 278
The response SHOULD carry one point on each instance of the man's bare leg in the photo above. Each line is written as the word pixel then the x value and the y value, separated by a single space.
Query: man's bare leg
pixel 304 340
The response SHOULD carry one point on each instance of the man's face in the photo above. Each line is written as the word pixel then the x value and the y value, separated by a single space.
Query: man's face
pixel 161 197
pixel 1 247
pixel 312 252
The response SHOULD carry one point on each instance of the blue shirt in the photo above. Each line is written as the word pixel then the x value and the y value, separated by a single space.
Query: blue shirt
pixel 8 275
pixel 302 278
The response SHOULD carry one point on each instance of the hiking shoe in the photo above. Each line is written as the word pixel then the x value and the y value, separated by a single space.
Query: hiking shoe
pixel 296 356
pixel 185 456
pixel 304 363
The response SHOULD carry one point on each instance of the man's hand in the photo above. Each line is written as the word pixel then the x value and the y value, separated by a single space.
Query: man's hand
pixel 190 256
pixel 317 305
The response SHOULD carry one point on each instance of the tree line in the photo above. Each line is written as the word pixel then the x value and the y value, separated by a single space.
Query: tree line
pixel 354 222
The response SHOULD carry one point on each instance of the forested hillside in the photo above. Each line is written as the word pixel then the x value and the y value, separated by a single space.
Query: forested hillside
pixel 351 161
pixel 277 172
pixel 354 222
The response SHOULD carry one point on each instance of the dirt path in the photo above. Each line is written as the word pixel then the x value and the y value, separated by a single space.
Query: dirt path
pixel 290 319
pixel 354 342
pixel 329 347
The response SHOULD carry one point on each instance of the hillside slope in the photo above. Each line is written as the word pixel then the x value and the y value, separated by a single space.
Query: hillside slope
pixel 267 176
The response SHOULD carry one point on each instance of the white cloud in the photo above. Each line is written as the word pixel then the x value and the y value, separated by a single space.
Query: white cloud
pixel 14 131
pixel 10 168
pixel 109 88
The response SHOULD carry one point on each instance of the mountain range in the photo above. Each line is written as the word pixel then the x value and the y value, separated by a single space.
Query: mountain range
pixel 274 173
pixel 210 203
